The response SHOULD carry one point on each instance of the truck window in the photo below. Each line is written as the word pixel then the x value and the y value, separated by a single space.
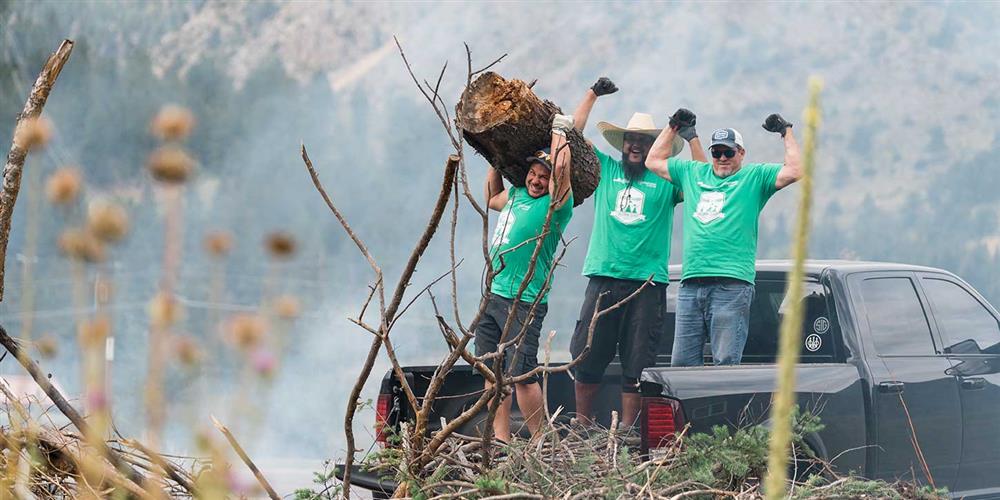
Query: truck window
pixel 896 318
pixel 959 315
pixel 820 334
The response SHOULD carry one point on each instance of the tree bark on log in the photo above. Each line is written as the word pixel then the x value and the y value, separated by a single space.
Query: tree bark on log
pixel 506 122
pixel 15 158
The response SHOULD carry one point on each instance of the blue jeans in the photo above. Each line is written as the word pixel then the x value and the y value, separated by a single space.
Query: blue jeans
pixel 716 308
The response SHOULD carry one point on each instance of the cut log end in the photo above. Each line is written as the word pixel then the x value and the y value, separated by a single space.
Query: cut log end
pixel 505 122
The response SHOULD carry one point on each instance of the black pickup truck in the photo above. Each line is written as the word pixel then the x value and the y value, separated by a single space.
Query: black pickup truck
pixel 898 361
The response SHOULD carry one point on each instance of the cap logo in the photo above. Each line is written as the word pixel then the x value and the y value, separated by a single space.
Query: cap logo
pixel 720 134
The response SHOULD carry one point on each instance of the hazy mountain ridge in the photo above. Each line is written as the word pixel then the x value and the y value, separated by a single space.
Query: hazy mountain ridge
pixel 889 68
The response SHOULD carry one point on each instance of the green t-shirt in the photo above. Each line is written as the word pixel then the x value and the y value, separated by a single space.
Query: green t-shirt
pixel 522 219
pixel 632 223
pixel 720 216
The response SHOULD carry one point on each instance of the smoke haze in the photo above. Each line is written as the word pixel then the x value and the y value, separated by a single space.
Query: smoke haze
pixel 906 167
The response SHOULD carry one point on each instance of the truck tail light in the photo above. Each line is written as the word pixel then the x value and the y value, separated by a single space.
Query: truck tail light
pixel 662 418
pixel 382 417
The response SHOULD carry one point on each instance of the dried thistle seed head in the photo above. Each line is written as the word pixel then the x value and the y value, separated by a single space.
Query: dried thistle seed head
pixel 81 245
pixel 218 243
pixel 47 346
pixel 171 165
pixel 63 186
pixel 164 310
pixel 280 245
pixel 246 331
pixel 287 307
pixel 172 122
pixel 107 221
pixel 187 350
pixel 93 332
pixel 264 363
pixel 33 133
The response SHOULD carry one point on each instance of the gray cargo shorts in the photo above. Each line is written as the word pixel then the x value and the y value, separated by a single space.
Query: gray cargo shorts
pixel 490 327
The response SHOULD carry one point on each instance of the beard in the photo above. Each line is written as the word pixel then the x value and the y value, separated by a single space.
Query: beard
pixel 633 170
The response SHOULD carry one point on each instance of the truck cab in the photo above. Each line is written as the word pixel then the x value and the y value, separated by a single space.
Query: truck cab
pixel 900 362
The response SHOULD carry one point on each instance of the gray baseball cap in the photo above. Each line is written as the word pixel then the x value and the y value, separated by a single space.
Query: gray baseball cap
pixel 542 156
pixel 728 137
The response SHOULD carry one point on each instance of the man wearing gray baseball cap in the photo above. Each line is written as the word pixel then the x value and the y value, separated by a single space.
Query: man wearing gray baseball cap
pixel 725 198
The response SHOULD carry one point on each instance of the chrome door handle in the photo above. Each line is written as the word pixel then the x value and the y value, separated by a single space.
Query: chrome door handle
pixel 973 384
pixel 891 387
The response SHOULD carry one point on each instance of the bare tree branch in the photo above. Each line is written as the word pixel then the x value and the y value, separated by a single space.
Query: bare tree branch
pixel 246 459
pixel 15 158
pixel 340 217
pixel 388 311
pixel 67 409
pixel 373 288
pixel 598 314
pixel 422 291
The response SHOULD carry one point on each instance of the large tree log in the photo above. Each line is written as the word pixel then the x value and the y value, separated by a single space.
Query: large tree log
pixel 506 123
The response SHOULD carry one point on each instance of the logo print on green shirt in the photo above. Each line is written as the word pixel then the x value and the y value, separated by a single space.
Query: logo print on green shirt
pixel 629 203
pixel 501 235
pixel 710 206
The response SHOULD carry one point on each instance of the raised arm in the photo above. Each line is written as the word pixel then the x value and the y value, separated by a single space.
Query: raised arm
pixel 681 123
pixel 603 86
pixel 496 195
pixel 659 152
pixel 560 185
pixel 791 171
pixel 697 152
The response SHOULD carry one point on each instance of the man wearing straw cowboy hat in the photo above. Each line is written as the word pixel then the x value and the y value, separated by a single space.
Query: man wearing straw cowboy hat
pixel 724 200
pixel 629 244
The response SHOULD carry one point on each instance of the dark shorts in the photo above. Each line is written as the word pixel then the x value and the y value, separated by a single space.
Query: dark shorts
pixel 490 327
pixel 633 330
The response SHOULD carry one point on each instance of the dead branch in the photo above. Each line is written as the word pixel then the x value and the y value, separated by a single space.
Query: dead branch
pixel 67 409
pixel 388 311
pixel 424 290
pixel 455 343
pixel 246 459
pixel 172 471
pixel 598 313
pixel 340 217
pixel 15 158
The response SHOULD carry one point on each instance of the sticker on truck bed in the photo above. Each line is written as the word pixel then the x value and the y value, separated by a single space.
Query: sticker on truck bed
pixel 814 342
pixel 821 325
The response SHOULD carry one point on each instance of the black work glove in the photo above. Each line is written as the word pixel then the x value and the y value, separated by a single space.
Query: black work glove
pixel 684 121
pixel 604 86
pixel 775 123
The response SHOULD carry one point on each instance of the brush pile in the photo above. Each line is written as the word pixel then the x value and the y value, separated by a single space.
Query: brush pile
pixel 575 462
pixel 41 460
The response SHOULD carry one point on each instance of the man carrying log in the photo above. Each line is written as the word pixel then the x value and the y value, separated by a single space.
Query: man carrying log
pixel 519 282
pixel 725 198
pixel 629 244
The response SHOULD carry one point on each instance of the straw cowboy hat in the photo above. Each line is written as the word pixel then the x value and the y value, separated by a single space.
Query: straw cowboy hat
pixel 640 123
